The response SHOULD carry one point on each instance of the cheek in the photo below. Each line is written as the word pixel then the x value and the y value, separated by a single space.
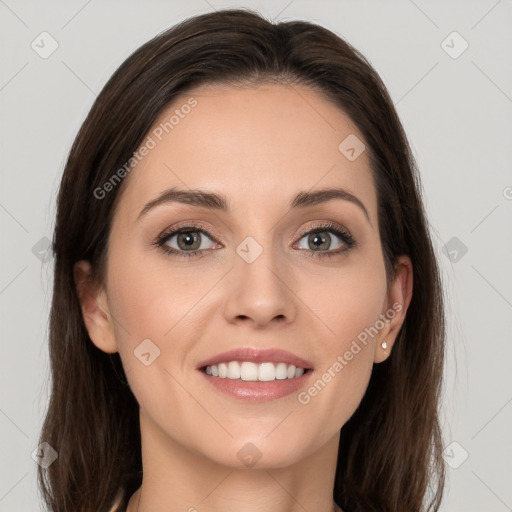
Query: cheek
pixel 349 302
pixel 141 305
pixel 149 298
pixel 152 307
pixel 349 305
pixel 155 300
pixel 139 302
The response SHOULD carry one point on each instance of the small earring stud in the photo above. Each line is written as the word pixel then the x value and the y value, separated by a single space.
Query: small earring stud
pixel 384 345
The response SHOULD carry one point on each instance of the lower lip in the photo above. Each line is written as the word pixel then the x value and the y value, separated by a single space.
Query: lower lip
pixel 257 391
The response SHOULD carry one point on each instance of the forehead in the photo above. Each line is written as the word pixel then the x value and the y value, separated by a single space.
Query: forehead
pixel 255 145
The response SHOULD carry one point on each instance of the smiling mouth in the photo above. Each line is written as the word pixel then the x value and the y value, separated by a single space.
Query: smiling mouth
pixel 254 372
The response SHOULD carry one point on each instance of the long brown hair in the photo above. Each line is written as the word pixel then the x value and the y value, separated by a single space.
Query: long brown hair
pixel 389 456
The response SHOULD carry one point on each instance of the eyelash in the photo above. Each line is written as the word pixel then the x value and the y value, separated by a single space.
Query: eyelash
pixel 343 234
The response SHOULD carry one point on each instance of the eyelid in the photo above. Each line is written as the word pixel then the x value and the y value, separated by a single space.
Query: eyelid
pixel 340 231
pixel 329 226
pixel 326 224
pixel 191 226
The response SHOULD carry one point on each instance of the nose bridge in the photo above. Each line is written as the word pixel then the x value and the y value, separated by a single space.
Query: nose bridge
pixel 259 287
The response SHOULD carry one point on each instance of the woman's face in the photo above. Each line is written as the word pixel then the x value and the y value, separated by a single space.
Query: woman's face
pixel 262 279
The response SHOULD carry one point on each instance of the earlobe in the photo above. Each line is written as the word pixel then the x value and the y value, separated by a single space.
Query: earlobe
pixel 395 308
pixel 94 306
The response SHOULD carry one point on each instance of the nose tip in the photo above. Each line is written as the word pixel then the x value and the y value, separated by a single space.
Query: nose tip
pixel 259 294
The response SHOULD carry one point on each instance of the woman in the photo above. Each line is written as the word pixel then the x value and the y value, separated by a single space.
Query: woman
pixel 247 310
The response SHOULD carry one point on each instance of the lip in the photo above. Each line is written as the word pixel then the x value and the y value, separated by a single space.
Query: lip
pixel 257 391
pixel 269 355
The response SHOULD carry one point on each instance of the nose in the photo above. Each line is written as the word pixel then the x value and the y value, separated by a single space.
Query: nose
pixel 261 292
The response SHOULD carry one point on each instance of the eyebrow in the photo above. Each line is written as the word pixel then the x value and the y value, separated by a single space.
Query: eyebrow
pixel 202 198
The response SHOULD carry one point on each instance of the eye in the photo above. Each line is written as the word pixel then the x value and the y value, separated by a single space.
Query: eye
pixel 321 239
pixel 185 241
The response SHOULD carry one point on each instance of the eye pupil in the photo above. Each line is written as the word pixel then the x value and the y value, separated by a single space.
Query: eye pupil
pixel 189 239
pixel 323 244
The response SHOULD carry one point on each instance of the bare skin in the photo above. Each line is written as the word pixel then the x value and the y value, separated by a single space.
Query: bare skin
pixel 258 147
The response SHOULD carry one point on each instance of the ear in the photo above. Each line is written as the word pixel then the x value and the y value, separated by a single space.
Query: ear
pixel 395 307
pixel 95 310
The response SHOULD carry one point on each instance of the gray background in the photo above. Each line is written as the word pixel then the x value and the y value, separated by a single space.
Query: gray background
pixel 457 112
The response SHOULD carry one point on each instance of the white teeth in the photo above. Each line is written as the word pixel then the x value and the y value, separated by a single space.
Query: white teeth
pixel 249 371
pixel 233 370
pixel 223 370
pixel 281 371
pixel 267 372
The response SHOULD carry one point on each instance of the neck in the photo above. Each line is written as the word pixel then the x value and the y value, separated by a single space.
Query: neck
pixel 176 478
pixel 134 504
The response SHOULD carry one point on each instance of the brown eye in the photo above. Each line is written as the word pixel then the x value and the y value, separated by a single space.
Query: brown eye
pixel 321 239
pixel 185 241
pixel 188 240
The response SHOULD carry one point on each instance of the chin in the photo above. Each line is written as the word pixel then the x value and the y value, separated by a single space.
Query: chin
pixel 257 453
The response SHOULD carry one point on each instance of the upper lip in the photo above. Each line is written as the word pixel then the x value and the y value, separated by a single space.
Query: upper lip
pixel 254 355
